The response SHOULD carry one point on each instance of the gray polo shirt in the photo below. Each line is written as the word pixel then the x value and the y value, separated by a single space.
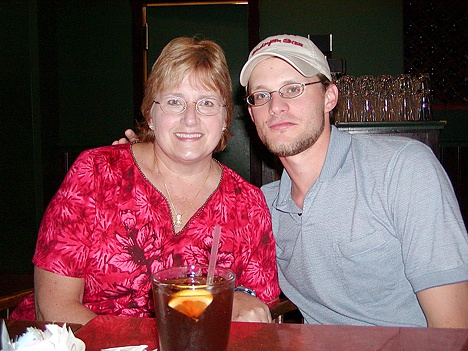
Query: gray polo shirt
pixel 380 223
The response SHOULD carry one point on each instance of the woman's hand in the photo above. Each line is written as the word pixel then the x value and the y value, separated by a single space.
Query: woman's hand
pixel 247 308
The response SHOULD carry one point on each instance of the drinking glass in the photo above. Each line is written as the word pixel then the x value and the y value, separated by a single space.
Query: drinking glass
pixel 345 109
pixel 383 98
pixel 367 98
pixel 190 314
pixel 405 98
pixel 423 97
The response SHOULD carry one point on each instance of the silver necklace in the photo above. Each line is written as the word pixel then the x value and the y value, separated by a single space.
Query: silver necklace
pixel 177 218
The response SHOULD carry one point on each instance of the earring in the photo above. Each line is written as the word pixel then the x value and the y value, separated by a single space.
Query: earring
pixel 151 126
pixel 223 129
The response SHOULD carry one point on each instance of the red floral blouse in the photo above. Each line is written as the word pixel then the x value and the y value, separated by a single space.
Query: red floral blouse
pixel 109 225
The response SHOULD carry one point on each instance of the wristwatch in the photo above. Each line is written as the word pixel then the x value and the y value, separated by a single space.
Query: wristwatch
pixel 245 290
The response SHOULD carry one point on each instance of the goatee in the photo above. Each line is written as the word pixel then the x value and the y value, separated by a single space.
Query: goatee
pixel 300 144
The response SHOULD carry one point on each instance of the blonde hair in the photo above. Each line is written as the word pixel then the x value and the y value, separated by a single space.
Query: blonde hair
pixel 206 62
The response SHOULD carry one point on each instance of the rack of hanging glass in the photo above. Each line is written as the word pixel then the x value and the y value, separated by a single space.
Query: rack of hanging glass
pixel 383 98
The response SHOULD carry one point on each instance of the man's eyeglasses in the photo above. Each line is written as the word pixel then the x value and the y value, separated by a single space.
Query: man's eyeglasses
pixel 288 91
pixel 176 105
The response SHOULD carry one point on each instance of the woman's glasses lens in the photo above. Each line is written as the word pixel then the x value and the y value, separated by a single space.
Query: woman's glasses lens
pixel 176 105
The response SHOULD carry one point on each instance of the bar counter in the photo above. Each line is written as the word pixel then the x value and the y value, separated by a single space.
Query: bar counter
pixel 108 331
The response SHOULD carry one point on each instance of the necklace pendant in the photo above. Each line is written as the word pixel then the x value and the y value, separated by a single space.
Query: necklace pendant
pixel 178 220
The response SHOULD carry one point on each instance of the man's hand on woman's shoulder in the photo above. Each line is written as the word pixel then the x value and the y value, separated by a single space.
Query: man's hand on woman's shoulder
pixel 130 137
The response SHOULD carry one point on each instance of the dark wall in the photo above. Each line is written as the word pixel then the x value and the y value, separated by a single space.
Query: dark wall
pixel 66 84
pixel 94 65
pixel 20 156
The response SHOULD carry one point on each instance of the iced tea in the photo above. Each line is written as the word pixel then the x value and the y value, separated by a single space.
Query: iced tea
pixel 191 315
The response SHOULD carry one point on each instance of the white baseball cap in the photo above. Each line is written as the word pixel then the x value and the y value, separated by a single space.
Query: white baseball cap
pixel 298 51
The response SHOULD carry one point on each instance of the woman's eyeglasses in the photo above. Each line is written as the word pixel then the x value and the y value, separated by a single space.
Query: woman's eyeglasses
pixel 176 105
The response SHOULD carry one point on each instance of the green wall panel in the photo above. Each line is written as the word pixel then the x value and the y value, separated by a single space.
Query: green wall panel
pixel 94 57
pixel 367 33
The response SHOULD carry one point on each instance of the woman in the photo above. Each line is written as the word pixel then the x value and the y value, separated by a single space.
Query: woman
pixel 125 211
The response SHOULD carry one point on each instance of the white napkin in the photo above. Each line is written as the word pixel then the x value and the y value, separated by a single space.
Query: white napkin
pixel 6 344
pixel 53 338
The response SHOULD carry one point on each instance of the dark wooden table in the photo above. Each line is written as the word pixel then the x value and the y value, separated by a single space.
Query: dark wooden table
pixel 108 331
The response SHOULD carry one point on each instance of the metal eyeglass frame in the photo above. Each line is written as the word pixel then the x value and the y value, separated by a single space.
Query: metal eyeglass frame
pixel 184 106
pixel 249 98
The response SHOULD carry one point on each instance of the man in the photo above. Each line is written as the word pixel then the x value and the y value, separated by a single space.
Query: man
pixel 368 228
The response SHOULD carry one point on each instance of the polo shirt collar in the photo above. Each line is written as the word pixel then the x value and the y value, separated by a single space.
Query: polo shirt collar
pixel 338 148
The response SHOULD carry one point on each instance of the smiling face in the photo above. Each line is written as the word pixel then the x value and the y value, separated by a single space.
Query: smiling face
pixel 205 62
pixel 188 136
pixel 288 126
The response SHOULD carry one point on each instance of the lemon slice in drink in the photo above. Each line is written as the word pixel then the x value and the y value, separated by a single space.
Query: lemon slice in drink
pixel 192 303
